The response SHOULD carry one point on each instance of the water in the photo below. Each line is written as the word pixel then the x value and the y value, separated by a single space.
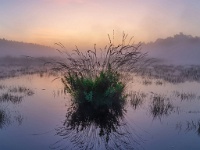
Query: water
pixel 158 115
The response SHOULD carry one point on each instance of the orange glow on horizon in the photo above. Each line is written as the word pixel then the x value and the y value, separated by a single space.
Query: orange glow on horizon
pixel 86 22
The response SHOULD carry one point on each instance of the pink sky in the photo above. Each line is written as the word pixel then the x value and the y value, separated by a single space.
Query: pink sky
pixel 85 22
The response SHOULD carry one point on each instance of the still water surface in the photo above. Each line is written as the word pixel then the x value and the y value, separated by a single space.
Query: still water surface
pixel 157 115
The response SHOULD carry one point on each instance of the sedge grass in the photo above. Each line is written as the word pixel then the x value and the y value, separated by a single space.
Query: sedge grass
pixel 94 77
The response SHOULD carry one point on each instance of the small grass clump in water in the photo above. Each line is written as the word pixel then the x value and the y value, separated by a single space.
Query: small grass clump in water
pixel 21 89
pixel 94 77
pixel 102 91
pixel 7 97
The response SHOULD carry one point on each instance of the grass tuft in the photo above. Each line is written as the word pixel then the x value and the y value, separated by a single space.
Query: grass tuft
pixel 103 91
pixel 94 77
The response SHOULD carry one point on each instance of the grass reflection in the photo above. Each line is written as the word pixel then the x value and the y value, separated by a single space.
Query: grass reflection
pixel 189 126
pixel 10 96
pixel 136 98
pixel 7 118
pixel 7 97
pixel 107 120
pixel 3 119
pixel 160 106
pixel 87 127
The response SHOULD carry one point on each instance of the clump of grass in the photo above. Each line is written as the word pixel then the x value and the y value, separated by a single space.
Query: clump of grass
pixel 103 91
pixel 95 76
pixel 159 82
pixel 21 89
pixel 185 96
pixel 160 106
pixel 147 82
pixel 136 99
pixel 6 97
pixel 121 58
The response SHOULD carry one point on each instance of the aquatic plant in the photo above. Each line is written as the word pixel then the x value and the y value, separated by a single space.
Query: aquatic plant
pixel 95 81
pixel 171 73
pixel 136 98
pixel 161 106
pixel 95 76
pixel 159 82
pixel 147 82
pixel 103 91
pixel 7 97
pixel 21 89
pixel 185 96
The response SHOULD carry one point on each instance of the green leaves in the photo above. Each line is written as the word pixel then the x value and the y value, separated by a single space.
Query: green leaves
pixel 101 91
pixel 88 96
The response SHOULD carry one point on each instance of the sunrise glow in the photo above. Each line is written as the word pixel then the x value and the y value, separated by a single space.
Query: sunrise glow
pixel 85 22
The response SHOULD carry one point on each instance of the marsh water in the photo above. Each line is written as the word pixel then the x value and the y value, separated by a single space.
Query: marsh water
pixel 36 113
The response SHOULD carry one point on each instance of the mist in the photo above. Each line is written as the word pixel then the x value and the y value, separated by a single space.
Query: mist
pixel 19 49
pixel 180 49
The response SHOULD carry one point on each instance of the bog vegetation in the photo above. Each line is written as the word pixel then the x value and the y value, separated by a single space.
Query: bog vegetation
pixel 94 77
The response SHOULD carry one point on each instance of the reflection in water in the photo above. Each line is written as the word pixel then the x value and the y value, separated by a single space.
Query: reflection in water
pixel 11 95
pixel 88 128
pixel 7 97
pixel 15 94
pixel 84 128
pixel 189 126
pixel 59 92
pixel 7 118
pixel 136 98
pixel 160 106
pixel 3 119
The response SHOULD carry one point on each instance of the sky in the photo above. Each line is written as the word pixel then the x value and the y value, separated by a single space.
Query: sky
pixel 86 22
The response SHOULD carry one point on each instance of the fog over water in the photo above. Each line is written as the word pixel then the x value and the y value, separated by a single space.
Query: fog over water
pixel 161 109
pixel 18 49
pixel 180 49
